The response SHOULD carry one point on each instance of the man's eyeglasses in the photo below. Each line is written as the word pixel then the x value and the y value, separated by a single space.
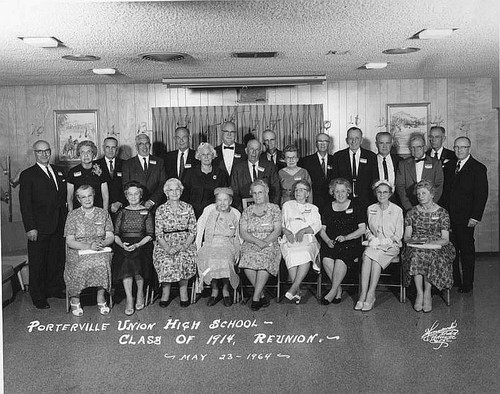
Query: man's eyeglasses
pixel 461 147
pixel 42 151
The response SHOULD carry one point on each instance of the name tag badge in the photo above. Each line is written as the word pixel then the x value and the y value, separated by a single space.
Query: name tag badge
pixel 232 227
pixel 446 161
pixel 265 224
pixel 183 213
pixel 329 167
pixel 143 212
pixel 308 210
pixel 349 211
pixel 237 156
pixel 361 160
pixel 261 169
pixel 152 162
pixel 77 174
pixel 429 166
pixel 435 217
pixel 98 223
pixel 59 173
pixel 297 178
pixel 372 212
pixel 187 165
pixel 118 174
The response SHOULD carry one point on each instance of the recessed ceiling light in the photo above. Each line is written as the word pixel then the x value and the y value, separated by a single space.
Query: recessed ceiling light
pixel 432 34
pixel 104 71
pixel 81 58
pixel 373 66
pixel 164 56
pixel 400 51
pixel 41 42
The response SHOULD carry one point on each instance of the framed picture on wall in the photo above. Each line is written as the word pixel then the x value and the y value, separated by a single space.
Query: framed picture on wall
pixel 71 128
pixel 405 120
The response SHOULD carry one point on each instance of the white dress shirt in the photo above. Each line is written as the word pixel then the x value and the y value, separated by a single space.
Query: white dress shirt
pixel 390 168
pixel 228 155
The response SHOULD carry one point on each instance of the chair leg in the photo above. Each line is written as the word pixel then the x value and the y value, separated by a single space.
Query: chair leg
pixel 447 296
pixel 67 301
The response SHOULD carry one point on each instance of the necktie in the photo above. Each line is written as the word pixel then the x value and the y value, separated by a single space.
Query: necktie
pixel 51 177
pixel 254 173
pixel 323 165
pixel 386 172
pixel 181 166
pixel 229 147
pixel 457 168
pixel 111 169
pixel 435 154
pixel 354 166
pixel 145 164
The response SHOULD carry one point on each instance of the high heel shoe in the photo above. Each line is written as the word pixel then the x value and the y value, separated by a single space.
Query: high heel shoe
pixel 427 306
pixel 76 309
pixel 296 299
pixel 139 307
pixel 358 306
pixel 129 311
pixel 103 308
pixel 368 306
pixel 164 304
pixel 255 305
pixel 289 296
pixel 418 306
pixel 185 304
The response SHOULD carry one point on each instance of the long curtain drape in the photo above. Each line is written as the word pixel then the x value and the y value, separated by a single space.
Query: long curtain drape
pixel 293 124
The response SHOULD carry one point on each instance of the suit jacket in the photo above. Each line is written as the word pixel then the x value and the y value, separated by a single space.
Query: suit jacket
pixel 153 180
pixel 42 205
pixel 468 192
pixel 280 159
pixel 239 156
pixel 395 162
pixel 406 179
pixel 241 180
pixel 170 160
pixel 115 184
pixel 367 173
pixel 319 182
pixel 448 163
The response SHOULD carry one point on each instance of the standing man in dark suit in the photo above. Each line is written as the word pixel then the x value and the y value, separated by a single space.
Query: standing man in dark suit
pixel 387 162
pixel 447 158
pixel 229 153
pixel 415 168
pixel 358 166
pixel 148 170
pixel 42 196
pixel 182 158
pixel 272 154
pixel 468 196
pixel 113 169
pixel 319 167
pixel 244 173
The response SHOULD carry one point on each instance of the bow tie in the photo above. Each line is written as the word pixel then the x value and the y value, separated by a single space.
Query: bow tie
pixel 229 147
pixel 419 160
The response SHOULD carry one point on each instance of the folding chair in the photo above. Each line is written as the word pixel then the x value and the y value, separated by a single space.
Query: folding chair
pixel 389 273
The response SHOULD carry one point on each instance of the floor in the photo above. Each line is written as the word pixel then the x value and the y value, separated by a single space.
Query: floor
pixel 309 348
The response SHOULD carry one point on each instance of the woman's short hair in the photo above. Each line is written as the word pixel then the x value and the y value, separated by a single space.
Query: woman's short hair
pixel 383 182
pixel 259 182
pixel 86 143
pixel 425 184
pixel 136 184
pixel 175 182
pixel 205 146
pixel 223 190
pixel 84 187
pixel 291 148
pixel 302 182
pixel 340 181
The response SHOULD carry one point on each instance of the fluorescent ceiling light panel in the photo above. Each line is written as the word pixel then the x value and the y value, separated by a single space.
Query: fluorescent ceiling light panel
pixel 433 34
pixel 375 66
pixel 41 42
pixel 228 82
pixel 104 71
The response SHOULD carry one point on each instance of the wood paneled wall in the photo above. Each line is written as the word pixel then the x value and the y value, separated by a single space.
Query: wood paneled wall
pixel 463 106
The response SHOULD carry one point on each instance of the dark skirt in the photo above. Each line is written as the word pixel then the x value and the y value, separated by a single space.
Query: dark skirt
pixel 129 264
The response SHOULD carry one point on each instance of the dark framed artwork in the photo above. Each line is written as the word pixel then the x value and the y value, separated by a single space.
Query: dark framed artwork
pixel 405 120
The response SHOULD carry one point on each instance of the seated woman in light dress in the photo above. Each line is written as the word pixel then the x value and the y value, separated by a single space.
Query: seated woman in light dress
pixel 291 174
pixel 260 227
pixel 428 255
pixel 384 233
pixel 174 250
pixel 88 232
pixel 299 247
pixel 218 232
